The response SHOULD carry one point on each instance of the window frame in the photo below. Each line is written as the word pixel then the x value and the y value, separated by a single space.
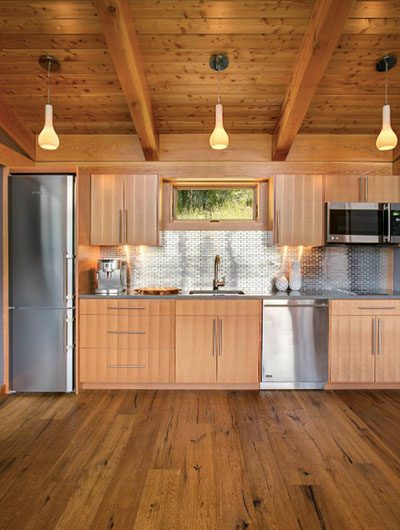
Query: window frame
pixel 262 195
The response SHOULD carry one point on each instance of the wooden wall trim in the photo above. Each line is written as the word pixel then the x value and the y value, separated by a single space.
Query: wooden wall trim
pixel 195 148
pixel 241 170
pixel 6 358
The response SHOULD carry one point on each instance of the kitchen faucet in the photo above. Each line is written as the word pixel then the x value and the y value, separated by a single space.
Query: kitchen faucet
pixel 217 283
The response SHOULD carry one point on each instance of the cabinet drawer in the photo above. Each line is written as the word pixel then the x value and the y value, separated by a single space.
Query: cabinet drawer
pixel 362 307
pixel 130 306
pixel 217 307
pixel 121 331
pixel 102 365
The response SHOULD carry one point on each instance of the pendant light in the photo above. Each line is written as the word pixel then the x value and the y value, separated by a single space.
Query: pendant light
pixel 48 138
pixel 387 138
pixel 219 138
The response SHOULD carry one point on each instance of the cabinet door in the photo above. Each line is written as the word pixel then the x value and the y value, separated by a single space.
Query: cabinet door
pixel 344 188
pixel 196 349
pixel 372 188
pixel 299 210
pixel 383 188
pixel 141 209
pixel 107 204
pixel 238 349
pixel 352 349
pixel 387 367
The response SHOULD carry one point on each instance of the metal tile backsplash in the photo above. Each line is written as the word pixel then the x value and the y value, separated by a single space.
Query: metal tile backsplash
pixel 250 262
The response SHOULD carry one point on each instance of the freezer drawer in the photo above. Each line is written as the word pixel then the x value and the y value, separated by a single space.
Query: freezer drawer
pixel 295 344
pixel 41 350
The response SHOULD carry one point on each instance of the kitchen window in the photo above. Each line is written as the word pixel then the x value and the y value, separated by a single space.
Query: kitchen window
pixel 215 205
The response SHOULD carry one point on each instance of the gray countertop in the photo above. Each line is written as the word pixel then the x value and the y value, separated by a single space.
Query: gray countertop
pixel 293 295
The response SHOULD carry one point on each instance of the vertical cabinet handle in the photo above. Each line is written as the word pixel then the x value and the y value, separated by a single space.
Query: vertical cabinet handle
pixel 121 227
pixel 366 189
pixel 126 226
pixel 379 337
pixel 214 336
pixel 220 337
pixel 373 336
pixel 360 189
pixel 278 214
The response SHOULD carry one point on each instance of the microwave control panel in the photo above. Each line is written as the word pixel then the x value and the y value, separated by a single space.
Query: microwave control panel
pixel 395 224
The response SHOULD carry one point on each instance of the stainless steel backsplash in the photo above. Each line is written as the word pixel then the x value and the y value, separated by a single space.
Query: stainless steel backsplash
pixel 250 261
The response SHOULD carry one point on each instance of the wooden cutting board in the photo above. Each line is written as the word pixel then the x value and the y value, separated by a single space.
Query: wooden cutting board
pixel 158 291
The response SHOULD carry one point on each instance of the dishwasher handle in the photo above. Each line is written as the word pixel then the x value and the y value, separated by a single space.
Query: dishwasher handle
pixel 292 306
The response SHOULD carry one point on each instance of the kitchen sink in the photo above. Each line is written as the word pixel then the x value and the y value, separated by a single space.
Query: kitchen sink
pixel 217 293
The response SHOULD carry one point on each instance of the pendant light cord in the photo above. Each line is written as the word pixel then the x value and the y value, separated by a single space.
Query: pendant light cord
pixel 48 82
pixel 218 96
pixel 386 82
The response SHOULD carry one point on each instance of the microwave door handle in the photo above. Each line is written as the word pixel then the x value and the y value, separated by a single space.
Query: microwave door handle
pixel 386 223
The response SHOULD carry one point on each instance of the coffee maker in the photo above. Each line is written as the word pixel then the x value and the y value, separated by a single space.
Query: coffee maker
pixel 110 276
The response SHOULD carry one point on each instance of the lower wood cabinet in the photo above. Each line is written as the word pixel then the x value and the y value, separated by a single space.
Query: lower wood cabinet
pixel 352 349
pixel 126 341
pixel 217 348
pixel 122 365
pixel 148 341
pixel 364 349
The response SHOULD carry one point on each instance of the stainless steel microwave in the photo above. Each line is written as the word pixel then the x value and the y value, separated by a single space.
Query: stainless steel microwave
pixel 362 222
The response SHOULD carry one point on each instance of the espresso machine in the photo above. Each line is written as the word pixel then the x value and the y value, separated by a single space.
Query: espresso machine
pixel 110 276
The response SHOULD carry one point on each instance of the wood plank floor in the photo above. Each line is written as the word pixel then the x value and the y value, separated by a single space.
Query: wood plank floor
pixel 200 460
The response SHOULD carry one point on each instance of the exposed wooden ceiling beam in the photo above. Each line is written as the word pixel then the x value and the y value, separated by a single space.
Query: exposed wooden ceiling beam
pixel 9 157
pixel 13 126
pixel 118 25
pixel 320 40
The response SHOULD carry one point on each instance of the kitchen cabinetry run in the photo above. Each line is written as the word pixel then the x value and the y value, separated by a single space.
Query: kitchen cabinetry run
pixel 124 209
pixel 351 188
pixel 364 341
pixel 217 341
pixel 299 210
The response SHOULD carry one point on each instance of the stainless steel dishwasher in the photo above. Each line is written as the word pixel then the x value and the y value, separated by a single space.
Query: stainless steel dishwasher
pixel 295 343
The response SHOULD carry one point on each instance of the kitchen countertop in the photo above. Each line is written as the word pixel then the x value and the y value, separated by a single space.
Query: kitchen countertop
pixel 293 295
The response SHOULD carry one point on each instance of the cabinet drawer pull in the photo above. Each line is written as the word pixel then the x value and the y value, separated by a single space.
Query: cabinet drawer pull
pixel 377 308
pixel 124 308
pixel 126 332
pixel 126 366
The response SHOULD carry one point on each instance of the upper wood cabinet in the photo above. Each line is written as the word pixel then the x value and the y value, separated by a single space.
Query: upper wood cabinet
pixel 107 207
pixel 299 210
pixel 124 209
pixel 351 188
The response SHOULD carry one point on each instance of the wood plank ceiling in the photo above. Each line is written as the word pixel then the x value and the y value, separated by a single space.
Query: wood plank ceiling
pixel 261 38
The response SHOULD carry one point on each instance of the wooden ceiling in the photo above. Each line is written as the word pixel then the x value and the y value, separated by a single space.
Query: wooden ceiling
pixel 261 38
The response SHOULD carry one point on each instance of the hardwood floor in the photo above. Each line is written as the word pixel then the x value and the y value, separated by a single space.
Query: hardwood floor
pixel 200 460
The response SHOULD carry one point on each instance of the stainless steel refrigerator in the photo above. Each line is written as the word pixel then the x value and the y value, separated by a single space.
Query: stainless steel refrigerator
pixel 41 288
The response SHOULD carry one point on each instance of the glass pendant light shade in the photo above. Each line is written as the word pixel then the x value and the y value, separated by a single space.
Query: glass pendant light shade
pixel 219 138
pixel 48 138
pixel 387 138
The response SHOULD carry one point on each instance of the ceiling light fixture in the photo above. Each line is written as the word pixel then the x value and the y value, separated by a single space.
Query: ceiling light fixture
pixel 48 138
pixel 219 138
pixel 387 138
